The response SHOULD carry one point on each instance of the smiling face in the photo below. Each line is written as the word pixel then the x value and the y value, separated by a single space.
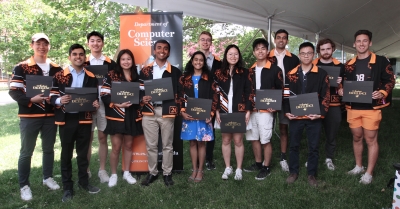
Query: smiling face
pixel 281 40
pixel 126 62
pixel 306 55
pixel 161 51
pixel 40 47
pixel 362 44
pixel 232 56
pixel 198 62
pixel 205 42
pixel 326 51
pixel 77 58
pixel 260 52
pixel 95 44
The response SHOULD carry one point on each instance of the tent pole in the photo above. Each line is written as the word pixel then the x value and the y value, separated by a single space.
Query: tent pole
pixel 150 5
pixel 269 30
pixel 316 42
pixel 342 54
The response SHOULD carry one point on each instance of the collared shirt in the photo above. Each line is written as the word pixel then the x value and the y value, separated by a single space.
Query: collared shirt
pixel 279 58
pixel 210 60
pixel 77 78
pixel 157 74
pixel 94 61
pixel 303 79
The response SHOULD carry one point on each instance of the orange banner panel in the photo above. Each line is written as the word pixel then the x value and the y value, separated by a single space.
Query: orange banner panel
pixel 139 155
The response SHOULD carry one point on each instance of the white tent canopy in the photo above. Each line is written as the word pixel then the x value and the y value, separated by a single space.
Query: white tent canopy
pixel 338 19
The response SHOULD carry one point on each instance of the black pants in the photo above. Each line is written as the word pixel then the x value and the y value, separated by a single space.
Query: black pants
pixel 70 133
pixel 331 124
pixel 210 145
pixel 313 131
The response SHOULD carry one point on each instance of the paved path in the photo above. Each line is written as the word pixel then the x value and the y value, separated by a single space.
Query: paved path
pixel 5 98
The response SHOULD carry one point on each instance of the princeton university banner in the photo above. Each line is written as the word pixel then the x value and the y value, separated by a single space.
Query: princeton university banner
pixel 139 32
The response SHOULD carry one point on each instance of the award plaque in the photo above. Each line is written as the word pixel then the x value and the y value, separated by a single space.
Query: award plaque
pixel 159 89
pixel 269 98
pixel 304 104
pixel 125 91
pixel 333 74
pixel 358 91
pixel 37 84
pixel 81 99
pixel 199 109
pixel 99 71
pixel 233 122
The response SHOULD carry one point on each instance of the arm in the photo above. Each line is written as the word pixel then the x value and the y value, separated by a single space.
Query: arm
pixel 248 89
pixel 17 85
pixel 387 81
pixel 324 95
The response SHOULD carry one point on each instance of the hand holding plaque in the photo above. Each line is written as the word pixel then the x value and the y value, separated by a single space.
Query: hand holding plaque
pixel 304 104
pixel 37 84
pixel 358 91
pixel 122 92
pixel 81 99
pixel 159 89
pixel 199 109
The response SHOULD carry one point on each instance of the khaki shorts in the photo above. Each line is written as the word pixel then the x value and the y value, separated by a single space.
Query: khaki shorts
pixel 99 118
pixel 368 119
pixel 261 123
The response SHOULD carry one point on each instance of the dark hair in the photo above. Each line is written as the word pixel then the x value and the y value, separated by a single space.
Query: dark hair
pixel 225 64
pixel 363 32
pixel 189 69
pixel 306 44
pixel 118 69
pixel 163 42
pixel 75 46
pixel 260 41
pixel 206 33
pixel 282 31
pixel 94 33
pixel 325 41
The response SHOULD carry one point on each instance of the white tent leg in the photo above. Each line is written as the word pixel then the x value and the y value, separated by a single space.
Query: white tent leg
pixel 150 5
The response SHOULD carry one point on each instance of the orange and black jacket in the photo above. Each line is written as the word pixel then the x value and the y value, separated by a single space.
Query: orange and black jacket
pixel 206 90
pixel 63 79
pixel 381 74
pixel 290 60
pixel 335 99
pixel 242 89
pixel 216 64
pixel 113 112
pixel 111 64
pixel 271 78
pixel 170 108
pixel 17 91
pixel 318 82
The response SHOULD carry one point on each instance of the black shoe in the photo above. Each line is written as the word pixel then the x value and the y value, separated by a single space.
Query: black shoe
pixel 67 196
pixel 89 188
pixel 252 168
pixel 149 179
pixel 210 165
pixel 263 174
pixel 168 180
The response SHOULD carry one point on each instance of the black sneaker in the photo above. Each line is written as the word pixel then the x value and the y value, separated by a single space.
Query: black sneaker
pixel 168 180
pixel 210 165
pixel 67 196
pixel 252 168
pixel 89 188
pixel 263 174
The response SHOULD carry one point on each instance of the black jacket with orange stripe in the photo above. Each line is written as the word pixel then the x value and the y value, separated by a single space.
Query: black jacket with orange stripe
pixel 18 85
pixel 113 112
pixel 381 74
pixel 335 99
pixel 319 82
pixel 206 90
pixel 171 107
pixel 271 78
pixel 242 86
pixel 290 60
pixel 64 79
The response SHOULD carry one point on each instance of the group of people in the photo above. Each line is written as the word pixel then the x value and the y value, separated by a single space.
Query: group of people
pixel 231 87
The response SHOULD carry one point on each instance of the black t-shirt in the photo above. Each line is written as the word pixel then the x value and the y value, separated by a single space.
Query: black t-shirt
pixel 363 73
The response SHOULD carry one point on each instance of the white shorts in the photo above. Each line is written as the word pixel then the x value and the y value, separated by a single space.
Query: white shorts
pixel 99 118
pixel 261 127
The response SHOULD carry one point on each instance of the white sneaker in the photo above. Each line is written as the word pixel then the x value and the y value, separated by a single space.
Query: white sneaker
pixel 26 193
pixel 227 172
pixel 128 177
pixel 306 164
pixel 357 170
pixel 113 180
pixel 284 165
pixel 49 182
pixel 238 174
pixel 366 178
pixel 103 175
pixel 329 164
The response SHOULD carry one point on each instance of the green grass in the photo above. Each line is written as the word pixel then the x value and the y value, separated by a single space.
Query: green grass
pixel 336 189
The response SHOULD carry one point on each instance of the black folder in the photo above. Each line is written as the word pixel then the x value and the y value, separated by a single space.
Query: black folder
pixel 358 91
pixel 159 89
pixel 269 98
pixel 99 71
pixel 304 104
pixel 37 84
pixel 199 108
pixel 233 122
pixel 125 91
pixel 333 74
pixel 81 99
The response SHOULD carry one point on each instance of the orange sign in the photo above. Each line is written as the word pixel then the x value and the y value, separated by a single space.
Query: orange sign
pixel 139 155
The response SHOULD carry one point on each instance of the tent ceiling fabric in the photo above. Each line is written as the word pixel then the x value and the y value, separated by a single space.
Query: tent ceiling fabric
pixel 338 19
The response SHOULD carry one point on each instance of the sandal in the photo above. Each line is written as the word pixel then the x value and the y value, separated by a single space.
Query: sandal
pixel 197 180
pixel 191 178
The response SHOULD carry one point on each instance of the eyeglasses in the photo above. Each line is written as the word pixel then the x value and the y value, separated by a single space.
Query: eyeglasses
pixel 205 40
pixel 303 54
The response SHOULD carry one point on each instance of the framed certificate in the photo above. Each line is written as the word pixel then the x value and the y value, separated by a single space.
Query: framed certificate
pixel 199 108
pixel 233 122
pixel 269 98
pixel 333 74
pixel 81 99
pixel 37 84
pixel 125 91
pixel 100 71
pixel 159 89
pixel 304 104
pixel 358 91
